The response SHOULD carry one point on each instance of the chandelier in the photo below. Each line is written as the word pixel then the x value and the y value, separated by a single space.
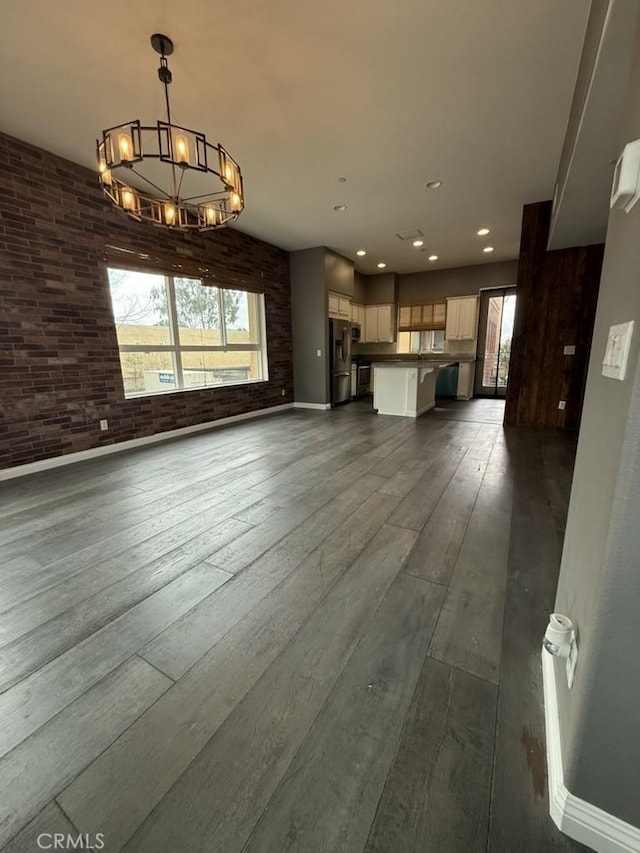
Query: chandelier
pixel 167 174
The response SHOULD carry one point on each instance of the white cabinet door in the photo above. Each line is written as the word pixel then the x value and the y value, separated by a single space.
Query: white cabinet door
pixel 461 318
pixel 344 308
pixel 339 306
pixel 453 319
pixel 386 326
pixel 371 324
pixel 467 327
pixel 379 324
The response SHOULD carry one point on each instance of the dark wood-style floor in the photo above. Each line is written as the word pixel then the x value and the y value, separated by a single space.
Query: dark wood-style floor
pixel 317 631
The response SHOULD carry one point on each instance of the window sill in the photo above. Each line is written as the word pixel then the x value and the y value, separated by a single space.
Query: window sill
pixel 141 394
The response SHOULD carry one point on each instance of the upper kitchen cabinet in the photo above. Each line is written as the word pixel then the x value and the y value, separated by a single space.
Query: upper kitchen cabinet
pixel 462 318
pixel 379 324
pixel 357 314
pixel 339 306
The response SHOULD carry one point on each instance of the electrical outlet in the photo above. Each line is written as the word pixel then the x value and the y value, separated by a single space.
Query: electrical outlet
pixel 104 424
pixel 562 405
pixel 319 353
pixel 570 350
pixel 283 392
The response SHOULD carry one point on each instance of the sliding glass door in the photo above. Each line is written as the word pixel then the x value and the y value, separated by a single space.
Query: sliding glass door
pixel 497 310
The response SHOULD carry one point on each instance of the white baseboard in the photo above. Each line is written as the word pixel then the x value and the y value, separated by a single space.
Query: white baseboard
pixel 320 406
pixel 93 452
pixel 577 818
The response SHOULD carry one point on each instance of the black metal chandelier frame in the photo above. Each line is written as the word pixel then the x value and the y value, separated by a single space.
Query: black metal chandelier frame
pixel 124 148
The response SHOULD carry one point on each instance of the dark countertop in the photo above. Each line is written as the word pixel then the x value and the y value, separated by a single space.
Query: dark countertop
pixel 440 357
pixel 403 363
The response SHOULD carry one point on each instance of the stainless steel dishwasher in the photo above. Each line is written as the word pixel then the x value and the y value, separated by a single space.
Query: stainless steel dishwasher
pixel 363 379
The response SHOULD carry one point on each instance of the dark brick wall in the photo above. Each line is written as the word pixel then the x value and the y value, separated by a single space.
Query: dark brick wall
pixel 59 365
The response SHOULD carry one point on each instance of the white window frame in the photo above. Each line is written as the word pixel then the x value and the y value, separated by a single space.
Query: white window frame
pixel 428 347
pixel 176 349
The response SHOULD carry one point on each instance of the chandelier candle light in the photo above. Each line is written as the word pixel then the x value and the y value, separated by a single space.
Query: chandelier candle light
pixel 134 160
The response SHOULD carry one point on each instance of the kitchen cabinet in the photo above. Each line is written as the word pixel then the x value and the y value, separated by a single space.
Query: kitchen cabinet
pixel 379 324
pixel 426 316
pixel 339 306
pixel 370 324
pixel 357 314
pixel 462 312
pixel 465 380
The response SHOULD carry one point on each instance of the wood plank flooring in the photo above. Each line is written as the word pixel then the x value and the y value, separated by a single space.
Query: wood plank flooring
pixel 285 635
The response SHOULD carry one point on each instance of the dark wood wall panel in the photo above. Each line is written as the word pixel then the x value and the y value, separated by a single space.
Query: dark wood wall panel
pixel 557 296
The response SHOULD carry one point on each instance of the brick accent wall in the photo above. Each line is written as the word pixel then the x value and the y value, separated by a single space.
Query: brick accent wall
pixel 59 363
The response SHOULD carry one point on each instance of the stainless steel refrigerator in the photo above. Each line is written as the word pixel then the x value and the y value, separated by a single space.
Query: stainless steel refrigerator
pixel 340 361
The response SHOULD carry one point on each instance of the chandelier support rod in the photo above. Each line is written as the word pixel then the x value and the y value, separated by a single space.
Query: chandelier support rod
pixel 180 183
pixel 142 177
pixel 165 76
pixel 219 194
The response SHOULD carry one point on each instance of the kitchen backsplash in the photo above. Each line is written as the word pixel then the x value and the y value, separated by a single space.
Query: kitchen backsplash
pixel 462 348
pixel 373 349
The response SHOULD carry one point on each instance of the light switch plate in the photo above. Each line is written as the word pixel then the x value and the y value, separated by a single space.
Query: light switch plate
pixel 614 363
pixel 625 191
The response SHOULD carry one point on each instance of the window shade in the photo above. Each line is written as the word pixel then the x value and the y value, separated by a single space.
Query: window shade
pixel 423 317
pixel 213 275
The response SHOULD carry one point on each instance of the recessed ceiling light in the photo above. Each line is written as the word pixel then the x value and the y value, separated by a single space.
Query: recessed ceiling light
pixel 340 208
pixel 483 232
pixel 488 249
pixel 433 185
pixel 361 253
pixel 433 257
pixel 381 265
pixel 418 243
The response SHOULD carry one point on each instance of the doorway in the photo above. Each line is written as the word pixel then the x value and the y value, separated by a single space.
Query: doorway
pixel 495 331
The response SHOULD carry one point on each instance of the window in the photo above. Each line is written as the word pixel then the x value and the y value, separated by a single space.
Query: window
pixel 175 333
pixel 417 342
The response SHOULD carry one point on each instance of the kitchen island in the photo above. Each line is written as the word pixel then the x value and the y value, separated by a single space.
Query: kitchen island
pixel 405 388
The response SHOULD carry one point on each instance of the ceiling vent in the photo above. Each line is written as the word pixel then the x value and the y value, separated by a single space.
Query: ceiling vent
pixel 414 234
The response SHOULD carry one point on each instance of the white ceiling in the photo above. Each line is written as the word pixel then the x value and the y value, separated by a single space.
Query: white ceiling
pixel 387 94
